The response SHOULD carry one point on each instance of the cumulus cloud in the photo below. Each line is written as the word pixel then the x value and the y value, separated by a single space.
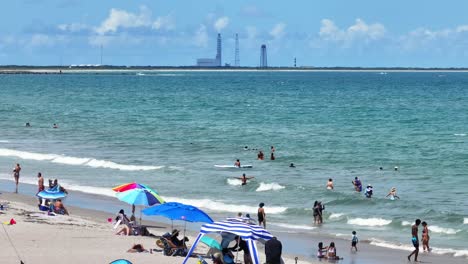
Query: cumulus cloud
pixel 164 23
pixel 200 38
pixel 73 27
pixel 221 23
pixel 41 40
pixel 123 19
pixel 278 31
pixel 449 39
pixel 359 31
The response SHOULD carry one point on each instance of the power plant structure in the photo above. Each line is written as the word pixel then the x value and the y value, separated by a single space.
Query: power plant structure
pixel 263 57
pixel 216 62
pixel 236 56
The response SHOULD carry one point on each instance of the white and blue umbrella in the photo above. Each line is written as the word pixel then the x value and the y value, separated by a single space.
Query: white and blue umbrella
pixel 249 233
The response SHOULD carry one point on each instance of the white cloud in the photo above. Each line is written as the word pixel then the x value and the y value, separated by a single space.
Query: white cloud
pixel 73 27
pixel 123 19
pixel 164 23
pixel 278 31
pixel 221 23
pixel 41 40
pixel 359 31
pixel 201 37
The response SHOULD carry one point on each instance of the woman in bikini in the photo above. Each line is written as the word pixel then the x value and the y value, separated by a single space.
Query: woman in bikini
pixel 425 237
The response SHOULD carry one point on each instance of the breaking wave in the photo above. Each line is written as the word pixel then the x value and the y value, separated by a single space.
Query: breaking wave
pixel 369 221
pixel 74 161
pixel 269 187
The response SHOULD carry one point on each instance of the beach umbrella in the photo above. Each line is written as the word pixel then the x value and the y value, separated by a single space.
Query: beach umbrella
pixel 211 242
pixel 120 261
pixel 51 194
pixel 131 186
pixel 142 197
pixel 179 211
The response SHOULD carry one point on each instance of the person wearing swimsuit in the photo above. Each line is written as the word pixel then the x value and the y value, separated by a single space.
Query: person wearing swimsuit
pixel 244 179
pixel 16 174
pixel 331 251
pixel 237 163
pixel 425 237
pixel 261 215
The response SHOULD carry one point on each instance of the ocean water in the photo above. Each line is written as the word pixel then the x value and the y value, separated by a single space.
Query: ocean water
pixel 168 130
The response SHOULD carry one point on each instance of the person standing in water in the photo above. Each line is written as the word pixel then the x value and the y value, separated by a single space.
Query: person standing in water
pixel 237 163
pixel 415 240
pixel 330 184
pixel 357 184
pixel 16 175
pixel 261 215
pixel 392 194
pixel 244 179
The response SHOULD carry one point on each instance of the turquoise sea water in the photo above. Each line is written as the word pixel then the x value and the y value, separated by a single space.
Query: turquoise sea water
pixel 169 129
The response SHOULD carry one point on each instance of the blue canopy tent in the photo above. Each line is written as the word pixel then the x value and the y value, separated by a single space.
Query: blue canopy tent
pixel 249 233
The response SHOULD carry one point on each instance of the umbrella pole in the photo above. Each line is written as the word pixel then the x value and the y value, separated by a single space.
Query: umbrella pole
pixel 185 226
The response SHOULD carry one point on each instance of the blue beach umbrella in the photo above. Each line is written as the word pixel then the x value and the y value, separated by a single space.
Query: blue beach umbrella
pixel 52 194
pixel 211 242
pixel 179 211
pixel 120 261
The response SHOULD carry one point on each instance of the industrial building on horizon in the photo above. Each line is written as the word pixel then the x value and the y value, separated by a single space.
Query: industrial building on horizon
pixel 263 57
pixel 216 62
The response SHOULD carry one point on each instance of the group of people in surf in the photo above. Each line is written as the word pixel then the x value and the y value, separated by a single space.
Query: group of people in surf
pixel 369 191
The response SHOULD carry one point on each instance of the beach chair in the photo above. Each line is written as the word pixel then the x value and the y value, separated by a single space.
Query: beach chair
pixel 169 248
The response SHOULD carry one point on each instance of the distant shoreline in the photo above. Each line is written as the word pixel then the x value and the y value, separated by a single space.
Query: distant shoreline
pixel 116 69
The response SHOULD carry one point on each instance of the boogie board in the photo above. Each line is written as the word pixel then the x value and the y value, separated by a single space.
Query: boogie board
pixel 233 167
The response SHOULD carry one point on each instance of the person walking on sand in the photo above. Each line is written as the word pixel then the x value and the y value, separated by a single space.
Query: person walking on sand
pixel 415 240
pixel 354 241
pixel 261 215
pixel 16 175
pixel 425 237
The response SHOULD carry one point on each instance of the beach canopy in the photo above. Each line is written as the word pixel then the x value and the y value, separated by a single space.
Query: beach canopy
pixel 249 233
pixel 52 193
pixel 179 211
pixel 211 242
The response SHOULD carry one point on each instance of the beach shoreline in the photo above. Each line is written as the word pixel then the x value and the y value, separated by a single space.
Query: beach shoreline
pixel 302 246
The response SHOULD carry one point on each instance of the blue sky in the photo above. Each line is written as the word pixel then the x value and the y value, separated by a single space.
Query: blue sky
pixel 318 33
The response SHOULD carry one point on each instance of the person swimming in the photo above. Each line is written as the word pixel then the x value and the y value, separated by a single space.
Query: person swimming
pixel 55 126
pixel 292 165
pixel 260 155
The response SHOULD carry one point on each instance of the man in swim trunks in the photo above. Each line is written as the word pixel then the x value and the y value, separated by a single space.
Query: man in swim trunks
pixel 16 174
pixel 261 215
pixel 237 163
pixel 244 179
pixel 415 240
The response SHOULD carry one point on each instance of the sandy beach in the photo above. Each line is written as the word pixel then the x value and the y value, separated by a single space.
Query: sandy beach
pixel 86 237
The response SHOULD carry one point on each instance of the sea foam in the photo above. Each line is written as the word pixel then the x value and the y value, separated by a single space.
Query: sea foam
pixel 438 251
pixel 74 161
pixel 269 187
pixel 234 182
pixel 369 221
pixel 290 226
pixel 405 223
pixel 465 221
pixel 443 230
pixel 225 207
pixel 335 216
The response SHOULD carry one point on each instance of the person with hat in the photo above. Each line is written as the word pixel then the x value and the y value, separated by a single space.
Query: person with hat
pixel 369 191
pixel 392 194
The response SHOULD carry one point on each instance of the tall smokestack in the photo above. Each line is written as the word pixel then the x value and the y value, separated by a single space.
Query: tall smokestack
pixel 218 51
